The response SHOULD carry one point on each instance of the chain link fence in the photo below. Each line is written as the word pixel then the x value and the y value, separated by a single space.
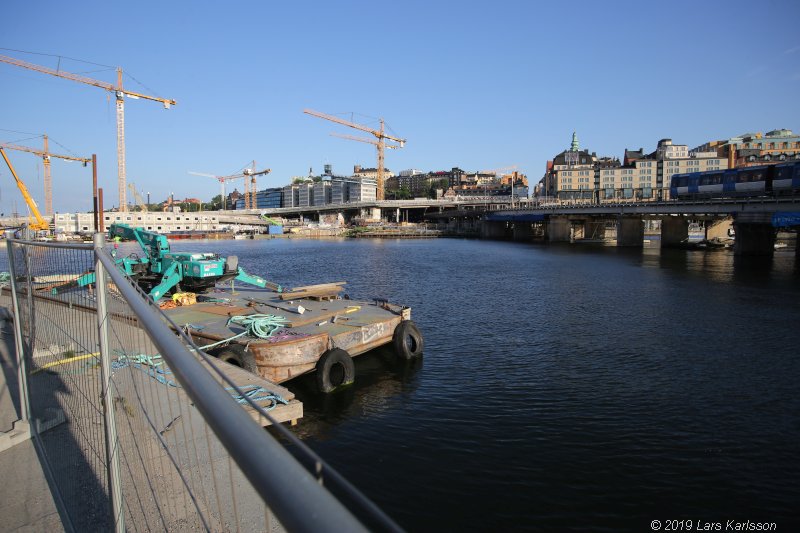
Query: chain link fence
pixel 137 428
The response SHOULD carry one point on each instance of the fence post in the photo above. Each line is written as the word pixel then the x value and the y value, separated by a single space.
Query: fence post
pixel 22 373
pixel 112 442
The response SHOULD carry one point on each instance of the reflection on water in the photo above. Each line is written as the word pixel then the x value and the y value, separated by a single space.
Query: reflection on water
pixel 383 382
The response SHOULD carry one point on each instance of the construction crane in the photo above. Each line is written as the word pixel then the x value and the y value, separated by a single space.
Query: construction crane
pixel 250 173
pixel 119 92
pixel 37 223
pixel 138 197
pixel 221 179
pixel 379 134
pixel 251 192
pixel 48 180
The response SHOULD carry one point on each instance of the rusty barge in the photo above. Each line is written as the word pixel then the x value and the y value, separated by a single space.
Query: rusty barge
pixel 320 331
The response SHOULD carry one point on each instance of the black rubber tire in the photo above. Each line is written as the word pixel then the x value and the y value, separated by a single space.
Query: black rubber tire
pixel 408 342
pixel 335 369
pixel 236 355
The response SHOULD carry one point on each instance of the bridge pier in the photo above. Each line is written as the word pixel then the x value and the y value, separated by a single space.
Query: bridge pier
pixel 558 229
pixel 755 235
pixel 523 231
pixel 493 230
pixel 630 231
pixel 674 231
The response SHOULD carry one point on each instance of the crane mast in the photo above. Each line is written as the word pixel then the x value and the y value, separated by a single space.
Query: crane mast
pixel 381 136
pixel 119 93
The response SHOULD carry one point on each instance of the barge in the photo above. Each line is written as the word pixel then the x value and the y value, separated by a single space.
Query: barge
pixel 316 330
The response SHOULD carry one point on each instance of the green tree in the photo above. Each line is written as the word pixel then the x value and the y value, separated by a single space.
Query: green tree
pixel 216 203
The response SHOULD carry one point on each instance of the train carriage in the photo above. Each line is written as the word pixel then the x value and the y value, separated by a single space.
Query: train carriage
pixel 780 179
pixel 786 178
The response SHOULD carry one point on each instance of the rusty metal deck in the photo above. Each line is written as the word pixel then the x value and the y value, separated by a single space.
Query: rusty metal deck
pixel 352 325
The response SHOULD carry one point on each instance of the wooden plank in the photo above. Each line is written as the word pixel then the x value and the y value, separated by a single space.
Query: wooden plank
pixel 311 287
pixel 325 291
pixel 224 310
pixel 291 412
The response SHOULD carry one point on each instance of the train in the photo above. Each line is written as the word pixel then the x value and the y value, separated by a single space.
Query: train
pixel 764 180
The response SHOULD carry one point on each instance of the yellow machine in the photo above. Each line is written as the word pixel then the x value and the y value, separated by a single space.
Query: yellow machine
pixel 37 223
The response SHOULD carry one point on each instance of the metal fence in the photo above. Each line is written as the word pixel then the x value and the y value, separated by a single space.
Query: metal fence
pixel 138 429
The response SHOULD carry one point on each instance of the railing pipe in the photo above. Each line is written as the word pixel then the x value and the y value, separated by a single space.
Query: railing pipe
pixel 296 498
pixel 22 374
pixel 112 441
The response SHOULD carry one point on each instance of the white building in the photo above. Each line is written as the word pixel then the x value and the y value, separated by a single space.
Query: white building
pixel 160 221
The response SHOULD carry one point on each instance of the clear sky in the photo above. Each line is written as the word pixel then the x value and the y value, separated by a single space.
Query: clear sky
pixel 478 85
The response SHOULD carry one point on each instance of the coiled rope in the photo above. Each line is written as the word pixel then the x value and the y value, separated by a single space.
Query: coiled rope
pixel 260 326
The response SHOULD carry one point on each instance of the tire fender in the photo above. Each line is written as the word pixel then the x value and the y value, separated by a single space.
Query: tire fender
pixel 236 355
pixel 335 369
pixel 408 342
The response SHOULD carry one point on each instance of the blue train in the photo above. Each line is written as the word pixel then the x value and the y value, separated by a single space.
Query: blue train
pixel 767 180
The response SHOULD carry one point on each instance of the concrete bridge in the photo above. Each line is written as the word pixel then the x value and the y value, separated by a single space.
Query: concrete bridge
pixel 751 220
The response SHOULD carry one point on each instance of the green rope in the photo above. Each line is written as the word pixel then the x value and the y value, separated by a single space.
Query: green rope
pixel 256 394
pixel 260 326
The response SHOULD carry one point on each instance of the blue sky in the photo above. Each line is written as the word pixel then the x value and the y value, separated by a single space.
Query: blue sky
pixel 477 85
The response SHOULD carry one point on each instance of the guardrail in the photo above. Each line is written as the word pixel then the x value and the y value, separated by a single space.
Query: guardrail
pixel 137 428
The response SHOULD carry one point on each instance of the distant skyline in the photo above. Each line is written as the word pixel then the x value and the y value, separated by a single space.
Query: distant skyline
pixel 468 84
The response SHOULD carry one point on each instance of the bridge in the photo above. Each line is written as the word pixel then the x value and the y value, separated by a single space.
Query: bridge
pixel 752 220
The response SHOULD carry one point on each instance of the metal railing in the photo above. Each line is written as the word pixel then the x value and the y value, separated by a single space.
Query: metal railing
pixel 137 428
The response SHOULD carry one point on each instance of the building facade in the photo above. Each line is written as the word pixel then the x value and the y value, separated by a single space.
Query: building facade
pixel 750 149
pixel 578 176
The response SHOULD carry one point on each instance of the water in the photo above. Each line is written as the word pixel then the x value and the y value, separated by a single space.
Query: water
pixel 563 388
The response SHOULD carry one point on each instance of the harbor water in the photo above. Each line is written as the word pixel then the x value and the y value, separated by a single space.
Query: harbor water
pixel 563 388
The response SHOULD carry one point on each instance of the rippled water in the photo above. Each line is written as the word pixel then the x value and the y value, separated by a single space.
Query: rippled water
pixel 562 387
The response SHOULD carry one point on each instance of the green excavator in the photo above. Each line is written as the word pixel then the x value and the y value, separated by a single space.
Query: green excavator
pixel 158 270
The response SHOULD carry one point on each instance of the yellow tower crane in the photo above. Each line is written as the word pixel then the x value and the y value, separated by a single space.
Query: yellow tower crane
pixel 48 180
pixel 119 92
pixel 379 134
pixel 37 223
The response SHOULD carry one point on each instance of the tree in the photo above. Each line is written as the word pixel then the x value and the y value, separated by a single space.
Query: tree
pixel 216 203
